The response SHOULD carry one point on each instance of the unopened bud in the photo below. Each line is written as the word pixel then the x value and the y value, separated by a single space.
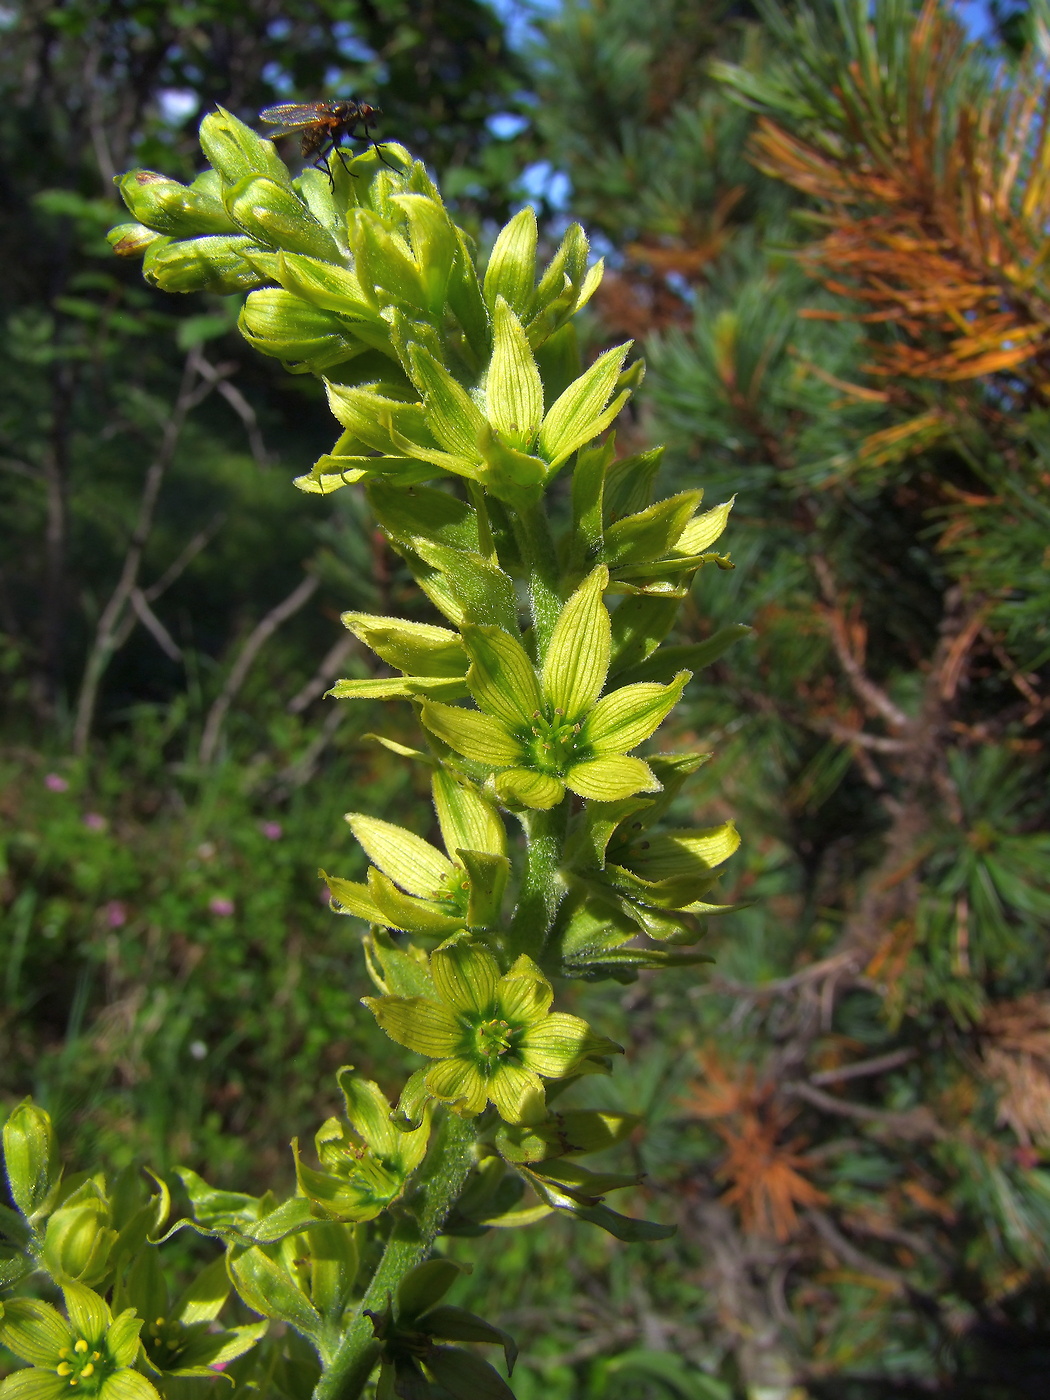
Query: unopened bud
pixel 171 207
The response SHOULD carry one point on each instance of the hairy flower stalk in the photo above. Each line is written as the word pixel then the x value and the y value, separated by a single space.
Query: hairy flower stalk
pixel 460 397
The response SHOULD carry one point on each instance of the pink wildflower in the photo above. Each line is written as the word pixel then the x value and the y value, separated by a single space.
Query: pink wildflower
pixel 221 905
pixel 54 782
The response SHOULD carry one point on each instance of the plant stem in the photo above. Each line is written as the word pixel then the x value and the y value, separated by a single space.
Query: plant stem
pixel 544 575
pixel 444 1172
pixel 538 900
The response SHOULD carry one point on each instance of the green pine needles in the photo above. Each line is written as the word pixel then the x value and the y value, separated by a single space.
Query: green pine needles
pixel 476 434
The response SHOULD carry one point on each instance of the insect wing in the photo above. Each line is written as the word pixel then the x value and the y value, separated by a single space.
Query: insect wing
pixel 293 116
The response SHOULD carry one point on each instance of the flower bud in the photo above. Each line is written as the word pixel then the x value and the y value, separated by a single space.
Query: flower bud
pixel 31 1157
pixel 236 151
pixel 200 265
pixel 132 240
pixel 171 207
pixel 278 217
pixel 78 1240
pixel 288 328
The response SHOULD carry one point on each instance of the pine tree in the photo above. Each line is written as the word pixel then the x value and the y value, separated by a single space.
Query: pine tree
pixel 844 305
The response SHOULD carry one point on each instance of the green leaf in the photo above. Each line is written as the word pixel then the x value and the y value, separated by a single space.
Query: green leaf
pixel 577 659
pixel 404 911
pixel 36 1332
pixel 526 788
pixel 651 533
pixel 579 413
pixel 418 1023
pixel 31 1157
pixel 467 820
pixel 501 677
pixel 452 415
pixel 273 214
pixel 396 971
pixel 466 1376
pixel 701 533
pixel 610 778
pixel 511 270
pixel 668 661
pixel 513 390
pixel 424 513
pixel 629 484
pixel 454 1324
pixel 472 734
pixel 267 1289
pixel 622 719
pixel 466 301
pixel 419 648
pixel 488 879
pixel 400 688
pixel 413 863
pixel 588 489
pixel 354 898
pixel 424 1286
pixel 203 1299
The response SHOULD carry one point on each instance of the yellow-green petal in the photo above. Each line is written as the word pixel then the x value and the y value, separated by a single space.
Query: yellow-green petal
pixel 89 1315
pixel 417 866
pixel 501 677
pixel 32 1384
pixel 466 977
pixel 623 719
pixel 472 734
pixel 419 1024
pixel 528 788
pixel 524 995
pixel 458 1081
pixel 611 778
pixel 467 820
pixel 127 1385
pixel 554 1046
pixel 34 1331
pixel 517 1093
pixel 577 659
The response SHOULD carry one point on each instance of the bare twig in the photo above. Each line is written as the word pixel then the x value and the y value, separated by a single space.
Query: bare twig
pixel 912 1124
pixel 849 1253
pixel 330 666
pixel 305 766
pixel 871 695
pixel 216 376
pixel 259 635
pixel 879 1064
pixel 840 962
pixel 191 392
pixel 153 625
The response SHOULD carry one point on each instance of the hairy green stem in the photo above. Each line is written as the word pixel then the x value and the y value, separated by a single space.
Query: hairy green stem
pixel 541 558
pixel 541 889
pixel 411 1241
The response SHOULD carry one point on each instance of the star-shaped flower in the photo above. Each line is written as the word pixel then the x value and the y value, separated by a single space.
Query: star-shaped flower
pixel 494 1037
pixel 543 733
pixel 91 1354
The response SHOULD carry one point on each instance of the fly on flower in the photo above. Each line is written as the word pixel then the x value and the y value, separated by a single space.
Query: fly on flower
pixel 322 126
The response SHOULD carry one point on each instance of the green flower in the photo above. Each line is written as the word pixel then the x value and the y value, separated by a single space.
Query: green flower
pixel 414 887
pixel 180 1338
pixel 541 734
pixel 90 1354
pixel 366 1164
pixel 493 1036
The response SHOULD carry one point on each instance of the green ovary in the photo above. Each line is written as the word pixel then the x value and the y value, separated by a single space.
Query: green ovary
pixel 551 743
pixel 491 1040
pixel 84 1367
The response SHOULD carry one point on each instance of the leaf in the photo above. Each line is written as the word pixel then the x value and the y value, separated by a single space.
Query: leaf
pixel 452 415
pixel 684 853
pixel 419 648
pixel 485 594
pixel 466 1376
pixel 424 513
pixel 424 1286
pixel 651 533
pixel 488 880
pixel 267 1289
pixel 629 484
pixel 668 661
pixel 701 533
pixel 454 1324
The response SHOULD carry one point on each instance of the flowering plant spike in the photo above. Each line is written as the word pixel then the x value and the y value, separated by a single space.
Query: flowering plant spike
pixel 539 681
